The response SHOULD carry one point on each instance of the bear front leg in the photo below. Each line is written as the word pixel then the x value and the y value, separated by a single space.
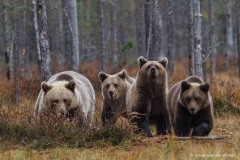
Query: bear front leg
pixel 107 116
pixel 143 125
pixel 202 129
pixel 162 124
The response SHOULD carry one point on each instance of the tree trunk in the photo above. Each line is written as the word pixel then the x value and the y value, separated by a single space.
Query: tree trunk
pixel 140 27
pixel 212 40
pixel 229 34
pixel 148 16
pixel 156 30
pixel 190 38
pixel 35 22
pixel 22 38
pixel 102 38
pixel 75 42
pixel 115 36
pixel 6 37
pixel 15 56
pixel 198 40
pixel 170 39
pixel 238 35
pixel 44 41
pixel 61 37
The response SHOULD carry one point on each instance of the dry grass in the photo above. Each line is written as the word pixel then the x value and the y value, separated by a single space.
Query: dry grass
pixel 23 137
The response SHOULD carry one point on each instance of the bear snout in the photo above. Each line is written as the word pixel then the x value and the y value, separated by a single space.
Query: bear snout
pixel 192 110
pixel 152 72
pixel 110 94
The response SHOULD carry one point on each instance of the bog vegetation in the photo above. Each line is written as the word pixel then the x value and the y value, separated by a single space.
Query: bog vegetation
pixel 22 135
pixel 39 38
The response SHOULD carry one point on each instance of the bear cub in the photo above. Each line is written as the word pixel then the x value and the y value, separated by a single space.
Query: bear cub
pixel 114 89
pixel 190 107
pixel 146 98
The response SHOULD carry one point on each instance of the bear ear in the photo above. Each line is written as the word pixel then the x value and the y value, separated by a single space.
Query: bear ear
pixel 71 85
pixel 122 74
pixel 185 85
pixel 164 62
pixel 45 87
pixel 205 87
pixel 141 61
pixel 102 76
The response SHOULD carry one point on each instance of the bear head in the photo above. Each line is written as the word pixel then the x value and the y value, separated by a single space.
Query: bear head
pixel 59 97
pixel 194 96
pixel 113 86
pixel 152 69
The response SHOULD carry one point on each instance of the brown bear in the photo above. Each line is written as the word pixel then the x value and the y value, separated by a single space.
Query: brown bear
pixel 67 93
pixel 114 89
pixel 146 97
pixel 190 107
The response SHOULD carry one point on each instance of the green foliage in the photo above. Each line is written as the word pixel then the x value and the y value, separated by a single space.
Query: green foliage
pixel 127 46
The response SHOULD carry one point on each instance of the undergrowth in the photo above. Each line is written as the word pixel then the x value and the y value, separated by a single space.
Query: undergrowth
pixel 19 127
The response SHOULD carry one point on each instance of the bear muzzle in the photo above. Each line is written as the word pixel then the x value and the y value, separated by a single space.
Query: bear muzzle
pixel 192 110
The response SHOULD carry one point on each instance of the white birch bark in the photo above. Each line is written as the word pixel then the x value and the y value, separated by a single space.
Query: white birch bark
pixel 229 34
pixel 75 41
pixel 35 23
pixel 198 40
pixel 44 41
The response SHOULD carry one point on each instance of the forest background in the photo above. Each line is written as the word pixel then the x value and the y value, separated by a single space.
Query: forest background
pixel 40 38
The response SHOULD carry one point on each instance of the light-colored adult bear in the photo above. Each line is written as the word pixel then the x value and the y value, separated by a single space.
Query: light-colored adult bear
pixel 190 107
pixel 147 96
pixel 114 89
pixel 67 93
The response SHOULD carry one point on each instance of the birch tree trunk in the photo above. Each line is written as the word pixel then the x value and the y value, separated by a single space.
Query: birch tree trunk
pixel 140 27
pixel 198 40
pixel 44 41
pixel 102 38
pixel 238 35
pixel 61 37
pixel 212 40
pixel 115 36
pixel 75 42
pixel 148 16
pixel 190 38
pixel 229 34
pixel 156 30
pixel 7 37
pixel 170 39
pixel 37 41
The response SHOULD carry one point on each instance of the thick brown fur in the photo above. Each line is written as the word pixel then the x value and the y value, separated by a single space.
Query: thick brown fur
pixel 190 107
pixel 146 98
pixel 67 94
pixel 114 89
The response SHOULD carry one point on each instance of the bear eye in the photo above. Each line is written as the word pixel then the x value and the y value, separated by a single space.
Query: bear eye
pixel 55 101
pixel 148 67
pixel 197 99
pixel 188 99
pixel 115 85
pixel 157 67
pixel 107 85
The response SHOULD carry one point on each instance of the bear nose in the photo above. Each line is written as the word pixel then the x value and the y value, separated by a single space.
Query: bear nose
pixel 153 70
pixel 110 93
pixel 192 110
